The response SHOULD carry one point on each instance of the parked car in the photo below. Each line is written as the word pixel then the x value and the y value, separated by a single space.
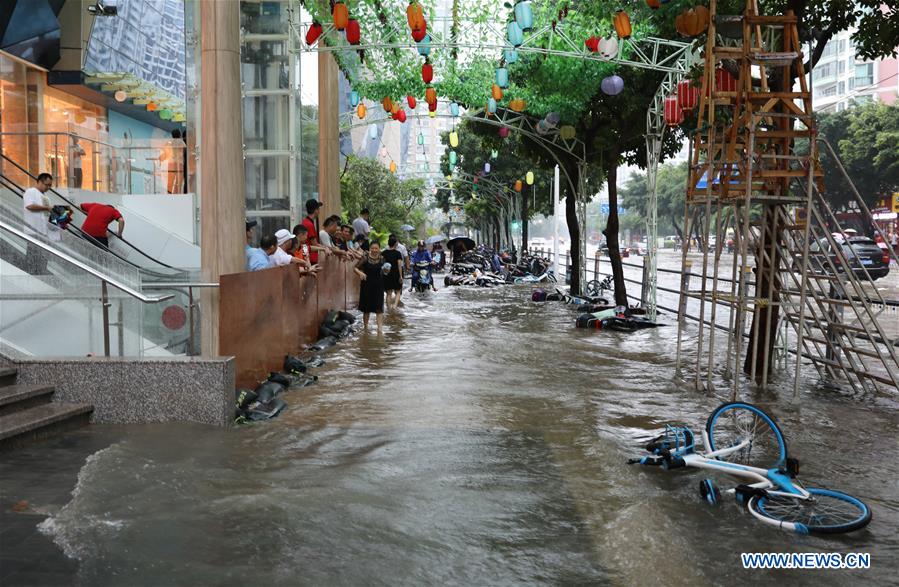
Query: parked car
pixel 861 252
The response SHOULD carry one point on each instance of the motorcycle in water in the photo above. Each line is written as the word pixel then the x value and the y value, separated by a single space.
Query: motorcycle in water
pixel 421 276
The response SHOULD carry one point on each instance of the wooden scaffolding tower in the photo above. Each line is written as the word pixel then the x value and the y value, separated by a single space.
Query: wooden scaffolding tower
pixel 754 172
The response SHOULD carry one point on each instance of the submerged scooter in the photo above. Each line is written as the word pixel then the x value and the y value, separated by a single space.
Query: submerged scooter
pixel 421 276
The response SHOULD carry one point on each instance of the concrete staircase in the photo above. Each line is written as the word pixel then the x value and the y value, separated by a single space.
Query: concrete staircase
pixel 27 412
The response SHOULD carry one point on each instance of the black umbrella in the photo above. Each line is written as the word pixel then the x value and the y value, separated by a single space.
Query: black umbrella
pixel 469 244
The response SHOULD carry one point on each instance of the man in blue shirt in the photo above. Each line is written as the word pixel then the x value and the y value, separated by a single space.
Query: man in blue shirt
pixel 257 259
pixel 421 254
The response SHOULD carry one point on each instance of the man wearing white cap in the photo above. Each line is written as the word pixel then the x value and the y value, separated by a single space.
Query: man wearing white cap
pixel 281 257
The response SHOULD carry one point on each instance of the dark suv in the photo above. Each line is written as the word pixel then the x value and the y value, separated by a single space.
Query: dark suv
pixel 861 252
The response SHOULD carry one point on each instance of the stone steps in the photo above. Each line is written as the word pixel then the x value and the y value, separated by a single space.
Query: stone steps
pixel 27 412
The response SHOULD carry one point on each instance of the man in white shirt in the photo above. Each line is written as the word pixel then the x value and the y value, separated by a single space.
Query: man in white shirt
pixel 281 256
pixel 36 215
pixel 403 251
pixel 360 225
pixel 329 228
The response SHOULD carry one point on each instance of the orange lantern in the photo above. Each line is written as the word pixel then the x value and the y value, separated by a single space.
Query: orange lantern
pixel 387 103
pixel 517 104
pixel 415 16
pixel 673 113
pixel 497 92
pixel 517 185
pixel 360 110
pixel 622 25
pixel 152 107
pixel 341 15
pixel 393 167
pixel 431 95
pixel 702 15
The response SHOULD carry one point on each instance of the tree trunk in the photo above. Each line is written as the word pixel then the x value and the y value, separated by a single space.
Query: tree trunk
pixel 574 235
pixel 524 222
pixel 497 234
pixel 762 346
pixel 611 233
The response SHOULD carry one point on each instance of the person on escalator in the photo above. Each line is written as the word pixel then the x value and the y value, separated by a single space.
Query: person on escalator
pixel 96 225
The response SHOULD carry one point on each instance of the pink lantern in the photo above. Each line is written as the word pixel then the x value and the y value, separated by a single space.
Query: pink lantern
pixel 503 132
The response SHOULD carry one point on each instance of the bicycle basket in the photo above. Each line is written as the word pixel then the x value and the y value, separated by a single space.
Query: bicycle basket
pixel 676 440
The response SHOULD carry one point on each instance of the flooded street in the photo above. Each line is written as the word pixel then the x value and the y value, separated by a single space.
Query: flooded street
pixel 480 440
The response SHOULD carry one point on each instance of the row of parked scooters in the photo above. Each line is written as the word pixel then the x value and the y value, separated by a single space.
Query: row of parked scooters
pixel 595 311
pixel 484 267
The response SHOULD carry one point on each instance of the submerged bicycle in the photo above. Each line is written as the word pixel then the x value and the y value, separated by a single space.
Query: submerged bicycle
pixel 745 442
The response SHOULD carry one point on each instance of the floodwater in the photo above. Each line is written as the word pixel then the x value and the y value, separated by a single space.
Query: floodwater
pixel 480 440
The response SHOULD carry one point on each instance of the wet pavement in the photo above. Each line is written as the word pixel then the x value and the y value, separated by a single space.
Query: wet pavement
pixel 480 440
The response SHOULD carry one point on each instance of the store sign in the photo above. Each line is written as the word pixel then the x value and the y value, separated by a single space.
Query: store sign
pixel 885 215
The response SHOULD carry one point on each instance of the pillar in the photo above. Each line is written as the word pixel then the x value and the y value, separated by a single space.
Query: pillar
pixel 328 134
pixel 222 196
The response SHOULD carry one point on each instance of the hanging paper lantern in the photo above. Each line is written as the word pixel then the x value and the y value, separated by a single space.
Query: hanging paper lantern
pixel 410 100
pixel 454 139
pixel 341 15
pixel 427 72
pixel 393 167
pixel 612 85
pixel 418 35
pixel 373 132
pixel 120 96
pixel 491 106
pixel 514 34
pixel 165 114
pixel 502 77
pixel 360 111
pixel 608 48
pixel 692 22
pixel 673 113
pixel 400 115
pixel 724 80
pixel 415 15
pixel 353 34
pixel 654 4
pixel 494 153
pixel 687 95
pixel 517 104
pixel 503 132
pixel 421 139
pixel 542 128
pixel 622 25
pixel 452 158
pixel 152 107
pixel 394 107
pixel 354 98
pixel 432 109
pixel 592 44
pixel 496 92
pixel 424 46
pixel 511 55
pixel 387 103
pixel 518 185
pixel 524 15
pixel 454 109
pixel 553 119
pixel 567 132
pixel 487 167
pixel 529 177
pixel 313 33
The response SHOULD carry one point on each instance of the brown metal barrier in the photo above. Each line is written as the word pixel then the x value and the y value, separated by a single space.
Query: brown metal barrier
pixel 264 315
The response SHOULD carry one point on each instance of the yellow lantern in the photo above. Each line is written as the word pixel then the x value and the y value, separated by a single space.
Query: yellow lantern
pixel 393 167
pixel 529 178
pixel 567 132
pixel 454 139
pixel 360 110
pixel 432 114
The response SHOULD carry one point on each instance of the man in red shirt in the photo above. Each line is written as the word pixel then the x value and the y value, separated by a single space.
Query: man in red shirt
pixel 310 222
pixel 98 218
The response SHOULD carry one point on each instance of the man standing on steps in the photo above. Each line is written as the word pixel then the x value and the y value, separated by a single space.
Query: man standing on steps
pixel 360 224
pixel 97 222
pixel 36 215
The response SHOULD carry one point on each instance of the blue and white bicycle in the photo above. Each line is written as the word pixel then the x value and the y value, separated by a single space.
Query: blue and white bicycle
pixel 745 442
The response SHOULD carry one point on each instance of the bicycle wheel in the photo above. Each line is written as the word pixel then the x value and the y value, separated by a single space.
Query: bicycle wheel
pixel 735 422
pixel 592 288
pixel 827 512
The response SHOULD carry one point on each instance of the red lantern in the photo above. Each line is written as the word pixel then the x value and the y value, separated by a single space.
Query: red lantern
pixel 420 33
pixel 314 32
pixel 687 95
pixel 592 44
pixel 400 115
pixel 518 185
pixel 431 95
pixel 410 99
pixel 415 16
pixel 427 72
pixel 432 106
pixel 352 32
pixel 724 81
pixel 341 15
pixel 654 4
pixel 503 131
pixel 673 113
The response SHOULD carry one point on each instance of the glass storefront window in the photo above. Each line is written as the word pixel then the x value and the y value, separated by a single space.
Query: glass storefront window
pixel 267 182
pixel 264 65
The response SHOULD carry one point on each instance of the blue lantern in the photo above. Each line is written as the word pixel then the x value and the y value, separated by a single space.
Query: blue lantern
pixel 612 85
pixel 452 158
pixel 491 106
pixel 487 167
pixel 424 47
pixel 502 77
pixel 373 132
pixel 421 139
pixel 514 34
pixel 354 98
pixel 454 109
pixel 511 55
pixel 524 15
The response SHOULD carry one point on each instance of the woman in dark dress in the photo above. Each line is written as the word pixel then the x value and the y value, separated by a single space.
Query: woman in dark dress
pixel 371 290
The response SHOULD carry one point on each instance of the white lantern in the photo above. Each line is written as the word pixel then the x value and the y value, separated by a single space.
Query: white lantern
pixel 608 48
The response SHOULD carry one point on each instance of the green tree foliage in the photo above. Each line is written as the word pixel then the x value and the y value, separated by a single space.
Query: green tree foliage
pixel 670 183
pixel 870 150
pixel 391 201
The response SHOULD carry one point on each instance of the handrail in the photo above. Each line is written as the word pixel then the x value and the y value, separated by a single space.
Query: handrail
pixel 88 139
pixel 173 285
pixel 78 208
pixel 83 266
